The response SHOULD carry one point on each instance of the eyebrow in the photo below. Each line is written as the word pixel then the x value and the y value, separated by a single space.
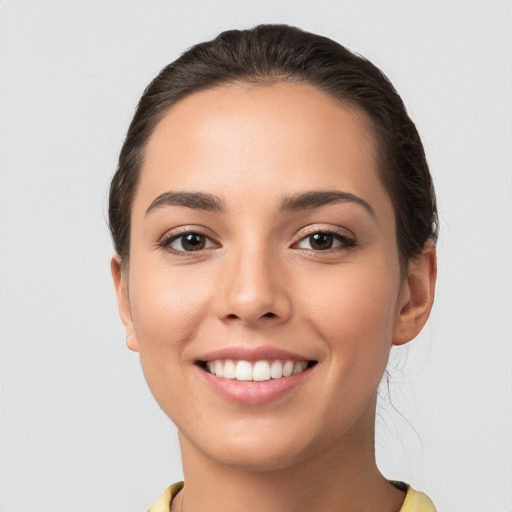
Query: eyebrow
pixel 212 203
pixel 316 199
pixel 196 200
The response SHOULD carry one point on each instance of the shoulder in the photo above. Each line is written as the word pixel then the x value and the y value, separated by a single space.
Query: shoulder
pixel 416 501
pixel 164 502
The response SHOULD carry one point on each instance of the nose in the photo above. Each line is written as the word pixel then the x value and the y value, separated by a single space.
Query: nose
pixel 253 289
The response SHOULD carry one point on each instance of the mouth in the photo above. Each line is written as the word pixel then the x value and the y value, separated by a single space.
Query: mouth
pixel 255 371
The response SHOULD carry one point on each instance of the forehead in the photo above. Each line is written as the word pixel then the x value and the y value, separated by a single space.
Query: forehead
pixel 259 137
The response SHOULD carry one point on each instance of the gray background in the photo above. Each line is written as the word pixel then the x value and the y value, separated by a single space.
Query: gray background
pixel 78 429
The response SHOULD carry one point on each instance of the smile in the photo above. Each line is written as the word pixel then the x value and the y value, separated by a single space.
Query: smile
pixel 256 371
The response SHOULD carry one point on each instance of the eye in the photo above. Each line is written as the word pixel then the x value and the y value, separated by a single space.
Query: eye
pixel 188 242
pixel 324 241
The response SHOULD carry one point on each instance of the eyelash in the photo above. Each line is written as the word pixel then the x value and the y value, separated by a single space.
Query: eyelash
pixel 166 242
pixel 345 242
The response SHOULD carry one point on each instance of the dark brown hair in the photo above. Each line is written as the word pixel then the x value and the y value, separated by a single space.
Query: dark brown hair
pixel 272 53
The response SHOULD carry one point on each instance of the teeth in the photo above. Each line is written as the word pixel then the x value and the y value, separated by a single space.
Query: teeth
pixel 243 370
pixel 276 370
pixel 219 369
pixel 299 367
pixel 261 371
pixel 258 371
pixel 229 369
pixel 287 368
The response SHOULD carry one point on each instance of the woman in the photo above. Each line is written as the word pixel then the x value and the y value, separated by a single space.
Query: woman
pixel 274 223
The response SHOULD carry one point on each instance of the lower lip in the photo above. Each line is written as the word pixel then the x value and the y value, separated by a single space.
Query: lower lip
pixel 251 392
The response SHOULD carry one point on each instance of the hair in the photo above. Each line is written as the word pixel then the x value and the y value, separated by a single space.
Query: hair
pixel 274 53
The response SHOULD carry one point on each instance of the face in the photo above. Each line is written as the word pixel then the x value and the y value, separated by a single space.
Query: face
pixel 263 290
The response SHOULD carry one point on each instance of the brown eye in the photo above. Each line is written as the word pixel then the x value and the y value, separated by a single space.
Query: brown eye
pixel 190 242
pixel 323 241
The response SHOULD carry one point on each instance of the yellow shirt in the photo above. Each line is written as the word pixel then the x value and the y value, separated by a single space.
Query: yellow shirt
pixel 414 501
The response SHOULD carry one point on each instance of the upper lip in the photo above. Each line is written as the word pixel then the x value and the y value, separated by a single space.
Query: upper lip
pixel 252 354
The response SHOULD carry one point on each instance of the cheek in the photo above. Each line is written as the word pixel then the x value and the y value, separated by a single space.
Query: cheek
pixel 354 312
pixel 167 308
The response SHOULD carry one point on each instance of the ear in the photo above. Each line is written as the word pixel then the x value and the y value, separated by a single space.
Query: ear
pixel 123 302
pixel 416 296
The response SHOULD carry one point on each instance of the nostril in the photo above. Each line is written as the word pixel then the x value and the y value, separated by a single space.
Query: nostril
pixel 234 316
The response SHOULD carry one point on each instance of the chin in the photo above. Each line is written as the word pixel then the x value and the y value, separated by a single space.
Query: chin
pixel 260 451
pixel 263 458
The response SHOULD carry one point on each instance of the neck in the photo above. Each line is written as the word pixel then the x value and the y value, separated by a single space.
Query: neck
pixel 340 477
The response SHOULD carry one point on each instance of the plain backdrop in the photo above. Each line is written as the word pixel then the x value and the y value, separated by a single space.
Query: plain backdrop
pixel 79 431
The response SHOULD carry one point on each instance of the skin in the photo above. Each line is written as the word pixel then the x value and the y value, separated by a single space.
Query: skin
pixel 259 281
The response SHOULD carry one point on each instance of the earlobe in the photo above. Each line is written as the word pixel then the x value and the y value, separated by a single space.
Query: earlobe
pixel 123 302
pixel 417 296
